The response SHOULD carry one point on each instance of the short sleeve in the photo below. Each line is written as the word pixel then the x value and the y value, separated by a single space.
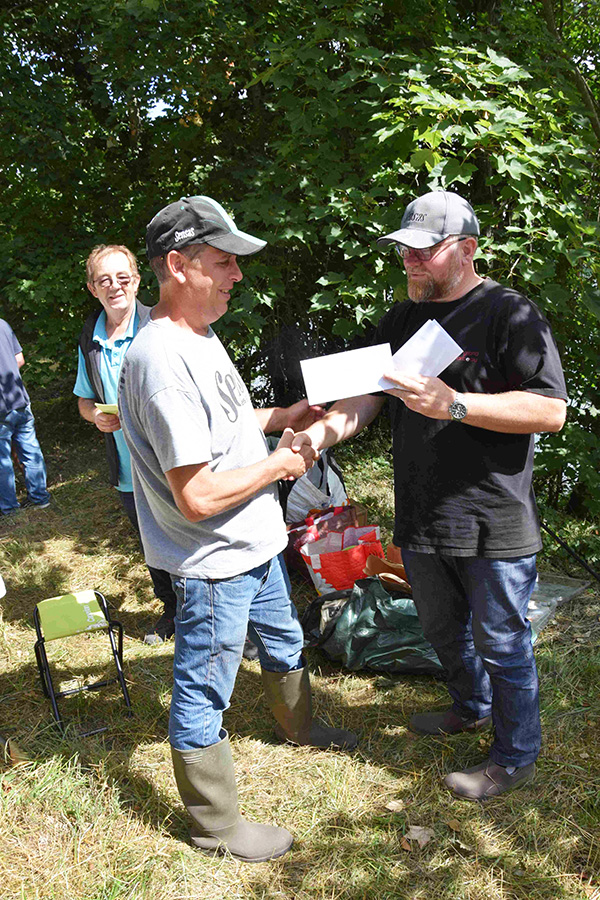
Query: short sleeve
pixel 530 358
pixel 177 428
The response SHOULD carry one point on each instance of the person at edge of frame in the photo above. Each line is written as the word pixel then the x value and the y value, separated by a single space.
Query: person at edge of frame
pixel 466 520
pixel 113 279
pixel 17 429
pixel 205 488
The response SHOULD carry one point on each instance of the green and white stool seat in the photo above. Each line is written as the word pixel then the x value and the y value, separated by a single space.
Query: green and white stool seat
pixel 70 614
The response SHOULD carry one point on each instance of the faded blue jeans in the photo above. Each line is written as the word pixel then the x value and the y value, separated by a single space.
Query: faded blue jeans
pixel 473 612
pixel 212 619
pixel 18 426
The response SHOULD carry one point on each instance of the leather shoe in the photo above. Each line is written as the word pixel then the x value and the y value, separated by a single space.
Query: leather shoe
pixel 486 780
pixel 446 722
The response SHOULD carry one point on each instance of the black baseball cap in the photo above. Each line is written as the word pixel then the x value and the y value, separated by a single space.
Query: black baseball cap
pixel 197 220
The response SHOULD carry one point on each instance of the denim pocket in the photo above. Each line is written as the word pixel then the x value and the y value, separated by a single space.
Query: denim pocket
pixel 179 589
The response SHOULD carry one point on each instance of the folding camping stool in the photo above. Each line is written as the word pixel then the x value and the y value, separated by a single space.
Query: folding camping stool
pixel 65 616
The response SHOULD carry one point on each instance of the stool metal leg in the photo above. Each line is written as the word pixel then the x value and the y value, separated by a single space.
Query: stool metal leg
pixel 46 679
pixel 118 657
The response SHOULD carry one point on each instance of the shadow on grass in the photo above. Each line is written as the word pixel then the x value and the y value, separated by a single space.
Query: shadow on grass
pixel 27 719
pixel 90 538
pixel 361 855
pixel 85 522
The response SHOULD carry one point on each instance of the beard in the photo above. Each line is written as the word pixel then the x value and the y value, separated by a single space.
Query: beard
pixel 421 290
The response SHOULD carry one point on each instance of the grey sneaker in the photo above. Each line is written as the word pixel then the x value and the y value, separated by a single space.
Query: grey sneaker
pixel 250 650
pixel 31 504
pixel 486 780
pixel 162 631
pixel 446 722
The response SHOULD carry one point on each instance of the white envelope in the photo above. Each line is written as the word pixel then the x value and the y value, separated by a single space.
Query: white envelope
pixel 428 352
pixel 347 374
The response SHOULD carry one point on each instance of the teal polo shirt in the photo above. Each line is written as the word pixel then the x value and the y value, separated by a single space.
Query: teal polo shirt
pixel 111 360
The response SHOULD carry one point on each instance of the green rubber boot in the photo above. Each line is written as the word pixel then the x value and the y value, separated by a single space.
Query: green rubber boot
pixel 289 697
pixel 206 783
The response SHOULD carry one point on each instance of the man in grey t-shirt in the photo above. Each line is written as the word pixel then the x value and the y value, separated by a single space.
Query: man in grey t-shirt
pixel 205 492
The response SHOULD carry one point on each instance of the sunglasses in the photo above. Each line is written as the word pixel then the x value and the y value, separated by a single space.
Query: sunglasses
pixel 427 252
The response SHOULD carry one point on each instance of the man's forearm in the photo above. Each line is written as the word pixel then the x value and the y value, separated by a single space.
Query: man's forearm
pixel 201 493
pixel 271 419
pixel 516 412
pixel 513 412
pixel 345 419
pixel 87 409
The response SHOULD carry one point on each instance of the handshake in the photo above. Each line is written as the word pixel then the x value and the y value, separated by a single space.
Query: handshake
pixel 295 453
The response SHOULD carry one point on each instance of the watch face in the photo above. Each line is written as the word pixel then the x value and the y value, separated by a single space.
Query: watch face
pixel 457 410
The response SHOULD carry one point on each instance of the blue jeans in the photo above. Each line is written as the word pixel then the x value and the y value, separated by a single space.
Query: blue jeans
pixel 18 426
pixel 212 619
pixel 473 613
pixel 161 580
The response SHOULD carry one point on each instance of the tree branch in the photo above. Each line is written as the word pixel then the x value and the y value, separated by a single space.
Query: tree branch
pixel 582 86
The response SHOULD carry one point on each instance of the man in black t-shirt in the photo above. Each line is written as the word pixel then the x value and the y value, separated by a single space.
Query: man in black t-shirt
pixel 466 518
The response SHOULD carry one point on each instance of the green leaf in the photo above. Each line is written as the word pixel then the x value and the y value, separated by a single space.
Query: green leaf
pixel 323 300
pixel 425 158
pixel 344 328
pixel 331 278
pixel 591 298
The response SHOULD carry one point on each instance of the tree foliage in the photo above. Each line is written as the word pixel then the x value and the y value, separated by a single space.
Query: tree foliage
pixel 314 121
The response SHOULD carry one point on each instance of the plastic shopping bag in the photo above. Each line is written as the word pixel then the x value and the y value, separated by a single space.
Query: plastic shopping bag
pixel 339 559
pixel 312 529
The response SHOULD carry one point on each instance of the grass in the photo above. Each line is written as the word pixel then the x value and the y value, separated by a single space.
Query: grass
pixel 99 818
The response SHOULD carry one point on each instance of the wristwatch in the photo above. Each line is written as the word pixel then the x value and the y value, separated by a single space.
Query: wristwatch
pixel 458 408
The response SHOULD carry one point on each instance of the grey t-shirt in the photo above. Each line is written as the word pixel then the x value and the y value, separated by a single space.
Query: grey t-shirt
pixel 182 402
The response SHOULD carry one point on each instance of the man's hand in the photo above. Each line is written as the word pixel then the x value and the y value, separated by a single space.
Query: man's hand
pixel 302 442
pixel 106 422
pixel 428 396
pixel 297 461
pixel 301 415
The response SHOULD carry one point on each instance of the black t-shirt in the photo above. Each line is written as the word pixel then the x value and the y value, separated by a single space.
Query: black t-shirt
pixel 462 490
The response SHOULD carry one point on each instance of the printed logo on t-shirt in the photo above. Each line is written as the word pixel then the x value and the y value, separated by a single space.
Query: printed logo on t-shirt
pixel 232 392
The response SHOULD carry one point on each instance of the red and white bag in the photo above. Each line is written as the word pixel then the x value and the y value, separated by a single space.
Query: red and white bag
pixel 338 560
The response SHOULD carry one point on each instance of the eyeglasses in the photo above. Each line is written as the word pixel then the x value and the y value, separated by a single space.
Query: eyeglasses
pixel 106 281
pixel 427 252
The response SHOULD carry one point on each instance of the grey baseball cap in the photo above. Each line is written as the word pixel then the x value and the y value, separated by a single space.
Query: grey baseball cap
pixel 197 220
pixel 431 218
